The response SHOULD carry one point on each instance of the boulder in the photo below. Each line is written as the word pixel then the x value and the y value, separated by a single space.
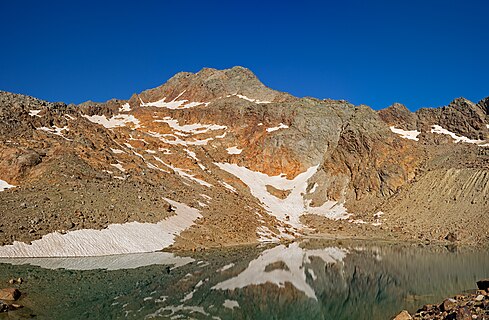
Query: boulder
pixel 404 315
pixel 483 284
pixel 9 294
pixel 448 305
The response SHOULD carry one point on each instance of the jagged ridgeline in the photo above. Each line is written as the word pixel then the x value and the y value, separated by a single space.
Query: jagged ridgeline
pixel 217 158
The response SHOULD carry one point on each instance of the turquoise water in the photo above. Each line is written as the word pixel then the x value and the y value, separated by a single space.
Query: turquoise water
pixel 305 280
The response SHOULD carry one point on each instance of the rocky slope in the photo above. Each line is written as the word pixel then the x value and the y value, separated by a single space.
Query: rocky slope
pixel 258 164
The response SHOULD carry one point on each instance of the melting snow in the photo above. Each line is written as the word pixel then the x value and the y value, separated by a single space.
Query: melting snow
pixel 280 126
pixel 133 237
pixel 294 257
pixel 411 135
pixel 290 209
pixel 234 150
pixel 115 121
pixel 440 130
pixel 4 185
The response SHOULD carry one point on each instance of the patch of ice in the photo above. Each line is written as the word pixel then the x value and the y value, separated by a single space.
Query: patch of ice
pixel 439 130
pixel 411 135
pixel 234 150
pixel 294 257
pixel 119 120
pixel 290 209
pixel 4 185
pixel 132 237
pixel 34 113
pixel 230 304
pixel 280 126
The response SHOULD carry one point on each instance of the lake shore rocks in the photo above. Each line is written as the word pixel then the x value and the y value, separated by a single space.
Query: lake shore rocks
pixel 465 306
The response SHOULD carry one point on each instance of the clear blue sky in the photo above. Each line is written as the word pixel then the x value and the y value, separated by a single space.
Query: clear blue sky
pixel 420 53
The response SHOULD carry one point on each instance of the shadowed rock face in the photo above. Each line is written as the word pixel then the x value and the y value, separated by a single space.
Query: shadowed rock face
pixel 94 164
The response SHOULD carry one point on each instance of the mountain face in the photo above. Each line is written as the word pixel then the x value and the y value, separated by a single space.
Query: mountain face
pixel 247 163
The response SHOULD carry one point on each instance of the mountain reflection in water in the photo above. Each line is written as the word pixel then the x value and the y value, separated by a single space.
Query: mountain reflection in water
pixel 303 280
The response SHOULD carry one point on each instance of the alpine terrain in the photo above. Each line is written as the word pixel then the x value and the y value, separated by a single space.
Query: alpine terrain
pixel 216 158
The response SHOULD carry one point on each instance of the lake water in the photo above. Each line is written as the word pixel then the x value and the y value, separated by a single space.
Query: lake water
pixel 312 279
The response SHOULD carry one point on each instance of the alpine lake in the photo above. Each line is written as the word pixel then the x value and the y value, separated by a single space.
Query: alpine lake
pixel 308 279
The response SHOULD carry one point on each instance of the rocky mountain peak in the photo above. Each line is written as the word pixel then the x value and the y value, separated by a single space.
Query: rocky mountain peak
pixel 210 84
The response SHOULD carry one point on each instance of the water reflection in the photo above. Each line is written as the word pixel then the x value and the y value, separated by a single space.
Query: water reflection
pixel 308 280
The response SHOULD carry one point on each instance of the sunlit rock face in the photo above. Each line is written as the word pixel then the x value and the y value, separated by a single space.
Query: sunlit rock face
pixel 258 164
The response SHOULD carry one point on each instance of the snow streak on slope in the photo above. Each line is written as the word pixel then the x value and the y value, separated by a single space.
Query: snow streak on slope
pixel 133 237
pixel 440 130
pixel 406 134
pixel 290 209
pixel 280 126
pixel 175 104
pixel 296 260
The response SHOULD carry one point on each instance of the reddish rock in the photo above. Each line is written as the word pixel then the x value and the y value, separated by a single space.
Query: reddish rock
pixel 9 294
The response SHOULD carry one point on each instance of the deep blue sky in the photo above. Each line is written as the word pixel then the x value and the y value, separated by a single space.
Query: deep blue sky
pixel 420 53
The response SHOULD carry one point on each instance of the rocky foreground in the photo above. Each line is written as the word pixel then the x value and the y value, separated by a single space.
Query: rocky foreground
pixel 248 163
pixel 461 307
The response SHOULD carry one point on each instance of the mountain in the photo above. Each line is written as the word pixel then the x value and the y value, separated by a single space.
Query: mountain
pixel 216 158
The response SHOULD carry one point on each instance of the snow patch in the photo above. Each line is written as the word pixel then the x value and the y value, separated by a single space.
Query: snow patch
pixel 234 150
pixel 133 237
pixel 411 135
pixel 34 113
pixel 116 151
pixel 250 99
pixel 56 131
pixel 115 121
pixel 280 126
pixel 125 108
pixel 4 185
pixel 174 104
pixel 195 128
pixel 290 209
